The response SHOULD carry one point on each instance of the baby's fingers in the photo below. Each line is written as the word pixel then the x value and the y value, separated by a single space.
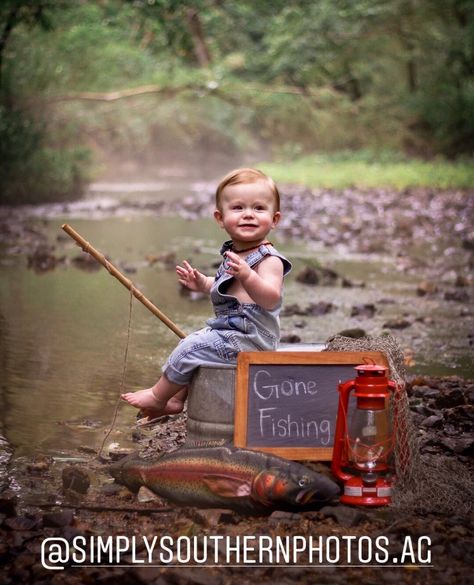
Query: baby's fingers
pixel 181 272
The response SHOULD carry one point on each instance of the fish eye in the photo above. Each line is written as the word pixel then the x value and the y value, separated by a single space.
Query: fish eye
pixel 303 481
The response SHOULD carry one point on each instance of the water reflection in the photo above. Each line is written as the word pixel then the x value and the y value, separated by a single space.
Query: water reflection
pixel 63 332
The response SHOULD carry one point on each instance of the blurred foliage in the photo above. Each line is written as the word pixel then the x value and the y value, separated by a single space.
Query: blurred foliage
pixel 266 78
pixel 34 169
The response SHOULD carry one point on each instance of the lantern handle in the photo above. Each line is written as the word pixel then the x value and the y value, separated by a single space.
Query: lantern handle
pixel 368 361
pixel 340 436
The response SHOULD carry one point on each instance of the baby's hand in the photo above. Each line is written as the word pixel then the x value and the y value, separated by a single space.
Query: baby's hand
pixel 191 278
pixel 237 267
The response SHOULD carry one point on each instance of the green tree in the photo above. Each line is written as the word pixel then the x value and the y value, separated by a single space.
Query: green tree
pixel 33 167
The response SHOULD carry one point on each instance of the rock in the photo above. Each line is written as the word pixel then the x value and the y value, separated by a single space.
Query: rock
pixel 313 309
pixel 111 489
pixel 328 276
pixel 308 276
pixel 426 288
pixel 461 281
pixel 167 258
pixel 365 310
pixel 59 519
pixel 87 449
pixel 199 577
pixel 281 516
pixel 40 464
pixel 460 296
pixel 344 515
pixel 290 338
pixel 192 295
pixel 462 446
pixel 449 398
pixel 434 421
pixel 425 392
pixel 128 268
pixel 22 523
pixel 423 410
pixel 354 333
pixel 8 503
pixel 317 309
pixel 293 309
pixel 75 479
pixel 386 301
pixel 116 452
pixel 195 295
pixel 462 415
pixel 397 324
pixel 42 259
pixel 86 262
pixel 211 518
pixel 468 244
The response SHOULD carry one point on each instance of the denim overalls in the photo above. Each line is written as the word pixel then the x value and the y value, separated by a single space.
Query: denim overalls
pixel 236 326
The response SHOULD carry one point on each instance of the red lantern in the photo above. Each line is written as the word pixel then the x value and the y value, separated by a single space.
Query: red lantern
pixel 363 449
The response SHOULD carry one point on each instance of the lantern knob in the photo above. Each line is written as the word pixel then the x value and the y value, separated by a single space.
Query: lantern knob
pixel 369 478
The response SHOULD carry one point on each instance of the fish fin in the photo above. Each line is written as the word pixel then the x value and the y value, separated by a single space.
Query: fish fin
pixel 227 486
pixel 213 443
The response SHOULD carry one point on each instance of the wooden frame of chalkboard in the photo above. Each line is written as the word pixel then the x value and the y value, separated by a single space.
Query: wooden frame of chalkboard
pixel 276 392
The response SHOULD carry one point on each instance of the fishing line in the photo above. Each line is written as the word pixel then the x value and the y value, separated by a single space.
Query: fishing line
pixel 134 292
pixel 124 370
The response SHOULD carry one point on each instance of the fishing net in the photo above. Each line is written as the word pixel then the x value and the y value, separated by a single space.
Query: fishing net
pixel 425 483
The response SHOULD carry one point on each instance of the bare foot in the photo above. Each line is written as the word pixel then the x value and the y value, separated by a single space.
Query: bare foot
pixel 150 405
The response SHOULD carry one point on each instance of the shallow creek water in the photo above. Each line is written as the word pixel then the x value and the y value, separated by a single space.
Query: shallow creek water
pixel 63 332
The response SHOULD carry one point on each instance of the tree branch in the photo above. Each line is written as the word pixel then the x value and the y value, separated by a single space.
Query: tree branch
pixel 195 29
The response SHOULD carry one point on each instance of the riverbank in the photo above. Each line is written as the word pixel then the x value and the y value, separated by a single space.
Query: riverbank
pixel 88 507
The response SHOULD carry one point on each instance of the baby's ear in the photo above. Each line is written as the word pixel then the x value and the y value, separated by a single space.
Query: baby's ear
pixel 218 217
pixel 276 218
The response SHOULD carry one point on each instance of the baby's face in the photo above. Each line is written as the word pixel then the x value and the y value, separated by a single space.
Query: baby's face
pixel 247 211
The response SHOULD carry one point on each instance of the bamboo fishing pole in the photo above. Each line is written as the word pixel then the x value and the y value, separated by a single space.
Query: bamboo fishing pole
pixel 87 247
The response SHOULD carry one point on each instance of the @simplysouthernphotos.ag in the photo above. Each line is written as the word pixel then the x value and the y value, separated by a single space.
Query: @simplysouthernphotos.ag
pixel 216 550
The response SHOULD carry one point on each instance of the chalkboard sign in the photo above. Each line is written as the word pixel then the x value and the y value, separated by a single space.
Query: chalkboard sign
pixel 286 402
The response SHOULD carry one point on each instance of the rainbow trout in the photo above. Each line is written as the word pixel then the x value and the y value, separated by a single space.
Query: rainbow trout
pixel 226 477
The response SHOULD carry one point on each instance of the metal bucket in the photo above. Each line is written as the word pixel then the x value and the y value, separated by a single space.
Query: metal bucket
pixel 211 404
pixel 211 399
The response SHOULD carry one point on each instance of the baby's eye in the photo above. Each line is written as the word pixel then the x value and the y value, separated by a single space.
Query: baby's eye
pixel 237 207
pixel 260 207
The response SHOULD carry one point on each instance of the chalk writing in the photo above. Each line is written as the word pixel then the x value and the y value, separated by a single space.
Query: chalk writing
pixel 289 387
pixel 293 404
pixel 290 426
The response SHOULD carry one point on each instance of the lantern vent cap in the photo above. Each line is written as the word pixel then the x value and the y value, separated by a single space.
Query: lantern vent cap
pixel 371 368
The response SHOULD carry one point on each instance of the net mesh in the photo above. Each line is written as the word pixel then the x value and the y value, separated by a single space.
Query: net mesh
pixel 425 483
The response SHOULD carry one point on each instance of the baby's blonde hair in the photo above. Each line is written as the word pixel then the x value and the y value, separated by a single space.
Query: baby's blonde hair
pixel 247 175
